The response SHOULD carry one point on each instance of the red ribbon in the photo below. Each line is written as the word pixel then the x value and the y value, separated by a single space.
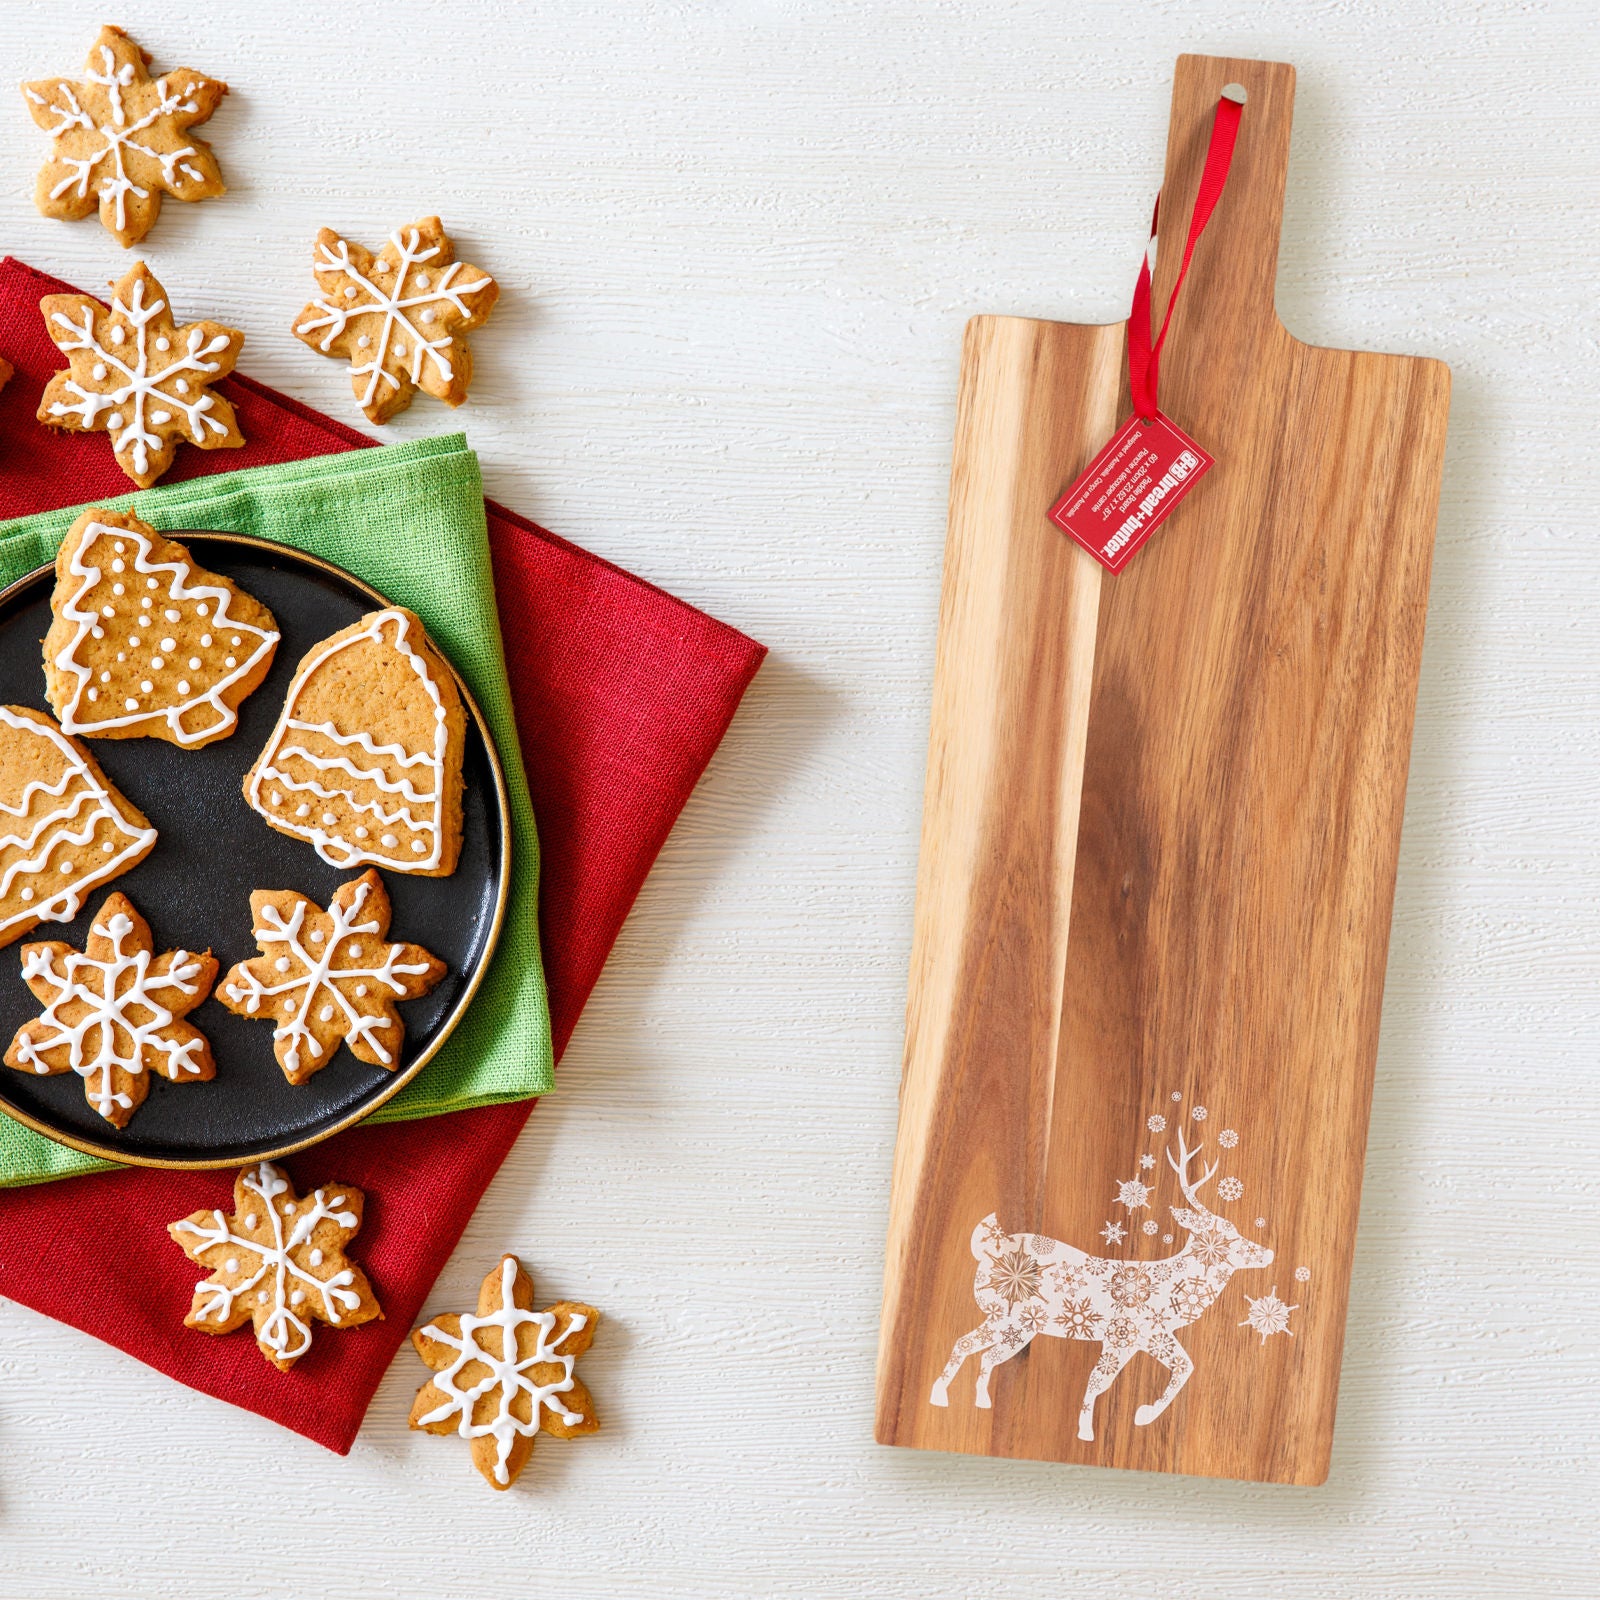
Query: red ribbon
pixel 1144 358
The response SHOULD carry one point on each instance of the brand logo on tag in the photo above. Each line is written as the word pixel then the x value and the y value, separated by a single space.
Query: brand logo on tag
pixel 1130 489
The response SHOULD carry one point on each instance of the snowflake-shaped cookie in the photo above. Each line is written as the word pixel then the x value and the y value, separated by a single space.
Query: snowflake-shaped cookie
pixel 398 316
pixel 503 1375
pixel 113 1013
pixel 278 1262
pixel 122 138
pixel 328 975
pixel 134 374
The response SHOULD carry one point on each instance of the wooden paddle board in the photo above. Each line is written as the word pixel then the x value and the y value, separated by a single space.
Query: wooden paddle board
pixel 1158 861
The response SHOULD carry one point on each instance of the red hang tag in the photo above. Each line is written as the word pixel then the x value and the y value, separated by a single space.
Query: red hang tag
pixel 1130 489
pixel 1138 480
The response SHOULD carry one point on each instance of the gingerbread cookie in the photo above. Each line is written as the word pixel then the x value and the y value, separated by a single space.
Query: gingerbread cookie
pixel 134 374
pixel 398 317
pixel 278 1262
pixel 114 1014
pixel 365 762
pixel 502 1376
pixel 328 975
pixel 64 829
pixel 144 642
pixel 122 138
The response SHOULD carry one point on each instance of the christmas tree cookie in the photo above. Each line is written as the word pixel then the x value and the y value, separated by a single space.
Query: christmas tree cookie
pixel 326 976
pixel 122 139
pixel 134 374
pixel 144 643
pixel 64 830
pixel 365 762
pixel 114 1012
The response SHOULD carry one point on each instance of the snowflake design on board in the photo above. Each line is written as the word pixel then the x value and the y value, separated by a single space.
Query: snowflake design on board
pixel 1230 1188
pixel 122 140
pixel 278 1262
pixel 324 976
pixel 1302 1274
pixel 1261 1222
pixel 113 1014
pixel 506 1373
pixel 993 1233
pixel 1130 1285
pixel 1176 1096
pixel 398 316
pixel 1151 1228
pixel 1191 1297
pixel 1014 1276
pixel 1079 1319
pixel 1065 1279
pixel 1156 1123
pixel 1032 1318
pixel 1269 1315
pixel 1198 1113
pixel 1210 1248
pixel 1113 1233
pixel 1146 1162
pixel 134 374
pixel 1121 1331
pixel 1228 1138
pixel 1132 1194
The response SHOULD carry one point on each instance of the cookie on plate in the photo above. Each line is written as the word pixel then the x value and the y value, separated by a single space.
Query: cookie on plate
pixel 144 642
pixel 398 317
pixel 113 1013
pixel 326 976
pixel 503 1376
pixel 134 374
pixel 278 1262
pixel 365 762
pixel 123 139
pixel 64 828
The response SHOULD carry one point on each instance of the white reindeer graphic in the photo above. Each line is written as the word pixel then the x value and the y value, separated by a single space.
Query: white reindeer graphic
pixel 1028 1285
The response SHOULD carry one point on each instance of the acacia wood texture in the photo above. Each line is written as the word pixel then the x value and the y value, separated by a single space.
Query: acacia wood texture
pixel 1161 828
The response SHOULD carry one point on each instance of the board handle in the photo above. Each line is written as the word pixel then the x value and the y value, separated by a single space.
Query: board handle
pixel 1233 280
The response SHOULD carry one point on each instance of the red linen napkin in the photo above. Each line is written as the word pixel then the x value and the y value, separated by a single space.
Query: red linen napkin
pixel 622 691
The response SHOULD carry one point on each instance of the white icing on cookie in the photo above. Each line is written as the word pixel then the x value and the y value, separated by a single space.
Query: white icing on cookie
pixel 313 978
pixel 126 1019
pixel 395 306
pixel 507 1372
pixel 393 785
pixel 141 385
pixel 176 575
pixel 282 1332
pixel 80 808
pixel 117 136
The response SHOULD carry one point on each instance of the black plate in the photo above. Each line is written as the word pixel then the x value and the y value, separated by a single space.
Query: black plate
pixel 194 890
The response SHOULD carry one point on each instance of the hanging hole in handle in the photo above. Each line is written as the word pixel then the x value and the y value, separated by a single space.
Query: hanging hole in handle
pixel 1235 92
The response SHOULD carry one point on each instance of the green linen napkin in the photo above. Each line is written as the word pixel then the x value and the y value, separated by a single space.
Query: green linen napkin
pixel 409 519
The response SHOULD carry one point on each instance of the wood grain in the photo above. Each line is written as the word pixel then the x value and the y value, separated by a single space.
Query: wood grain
pixel 1161 831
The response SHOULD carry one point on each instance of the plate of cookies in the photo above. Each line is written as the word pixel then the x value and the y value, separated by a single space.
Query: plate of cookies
pixel 254 846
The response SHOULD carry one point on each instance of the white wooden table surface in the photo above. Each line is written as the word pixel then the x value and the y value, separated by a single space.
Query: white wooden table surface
pixel 737 243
